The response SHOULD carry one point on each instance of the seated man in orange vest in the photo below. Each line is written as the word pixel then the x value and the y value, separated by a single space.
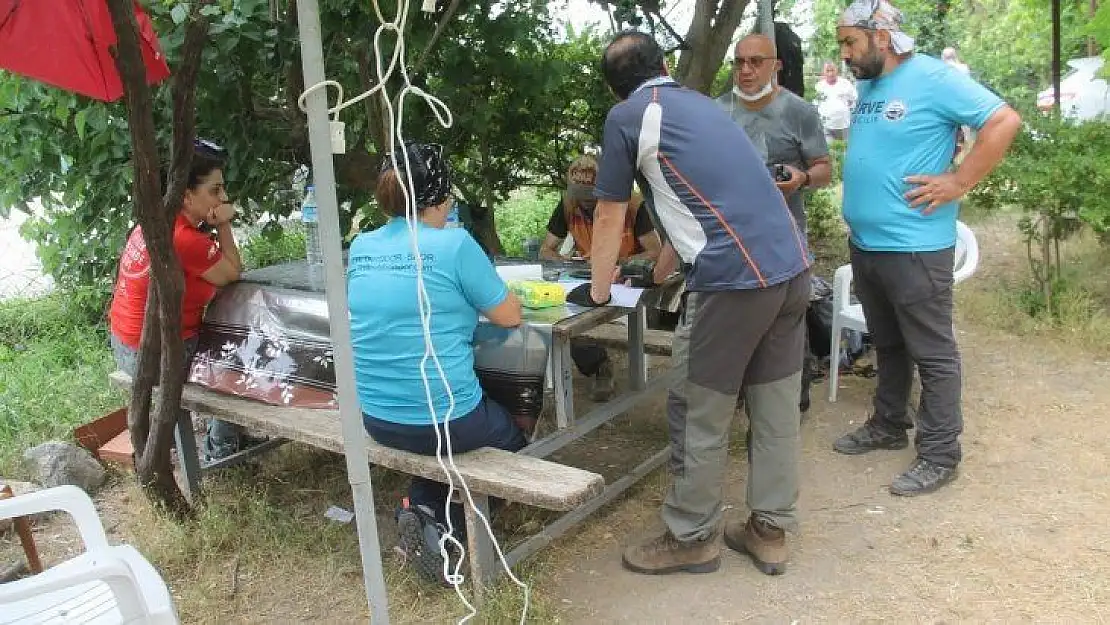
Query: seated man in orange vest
pixel 574 215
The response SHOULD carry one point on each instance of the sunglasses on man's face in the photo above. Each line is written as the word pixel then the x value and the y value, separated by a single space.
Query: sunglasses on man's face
pixel 755 62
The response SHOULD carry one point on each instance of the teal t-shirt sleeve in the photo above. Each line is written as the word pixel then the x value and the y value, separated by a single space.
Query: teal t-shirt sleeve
pixel 965 101
pixel 481 285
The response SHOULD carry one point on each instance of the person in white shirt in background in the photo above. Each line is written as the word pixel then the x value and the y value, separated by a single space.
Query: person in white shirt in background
pixel 967 135
pixel 948 55
pixel 836 97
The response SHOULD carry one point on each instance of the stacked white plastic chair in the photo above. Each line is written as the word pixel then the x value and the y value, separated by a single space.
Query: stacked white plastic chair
pixel 104 585
pixel 849 316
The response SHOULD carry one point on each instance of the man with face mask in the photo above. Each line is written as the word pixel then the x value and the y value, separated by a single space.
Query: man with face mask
pixel 900 201
pixel 784 128
pixel 574 216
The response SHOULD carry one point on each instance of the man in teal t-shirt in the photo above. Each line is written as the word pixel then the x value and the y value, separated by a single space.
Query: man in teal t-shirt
pixel 900 203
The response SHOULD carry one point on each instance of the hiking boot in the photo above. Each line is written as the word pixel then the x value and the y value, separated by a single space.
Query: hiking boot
pixel 603 382
pixel 419 541
pixel 921 478
pixel 665 554
pixel 764 543
pixel 868 438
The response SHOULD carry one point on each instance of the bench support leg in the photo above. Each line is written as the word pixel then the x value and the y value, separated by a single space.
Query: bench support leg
pixel 483 558
pixel 637 361
pixel 187 454
pixel 562 366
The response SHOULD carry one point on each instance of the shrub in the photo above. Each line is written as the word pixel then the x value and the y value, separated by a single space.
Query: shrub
pixel 823 219
pixel 525 215
pixel 274 243
pixel 1057 174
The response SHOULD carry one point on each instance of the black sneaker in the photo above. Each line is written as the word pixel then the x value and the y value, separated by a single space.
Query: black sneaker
pixel 420 536
pixel 922 477
pixel 867 438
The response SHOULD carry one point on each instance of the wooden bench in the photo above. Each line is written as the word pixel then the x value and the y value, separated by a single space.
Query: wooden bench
pixel 614 335
pixel 488 472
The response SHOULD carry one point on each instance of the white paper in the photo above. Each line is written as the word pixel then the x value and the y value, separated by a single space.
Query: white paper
pixel 340 515
pixel 520 272
pixel 623 296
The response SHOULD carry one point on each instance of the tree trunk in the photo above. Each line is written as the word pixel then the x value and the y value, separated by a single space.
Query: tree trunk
pixel 486 228
pixel 711 31
pixel 152 433
pixel 1046 259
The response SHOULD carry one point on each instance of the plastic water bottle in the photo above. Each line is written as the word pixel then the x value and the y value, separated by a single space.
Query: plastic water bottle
pixel 314 254
pixel 310 217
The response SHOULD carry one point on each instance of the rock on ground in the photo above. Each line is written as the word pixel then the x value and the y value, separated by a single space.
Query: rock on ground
pixel 56 463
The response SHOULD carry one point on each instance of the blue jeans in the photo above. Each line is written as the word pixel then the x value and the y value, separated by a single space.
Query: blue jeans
pixel 222 438
pixel 488 425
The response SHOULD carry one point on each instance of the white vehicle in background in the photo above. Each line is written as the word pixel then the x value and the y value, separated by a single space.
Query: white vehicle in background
pixel 1083 94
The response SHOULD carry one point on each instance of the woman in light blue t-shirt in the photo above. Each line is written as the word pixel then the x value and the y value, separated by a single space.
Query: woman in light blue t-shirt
pixel 389 344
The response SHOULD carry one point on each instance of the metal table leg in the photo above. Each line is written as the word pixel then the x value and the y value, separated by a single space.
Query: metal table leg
pixel 637 362
pixel 187 453
pixel 562 366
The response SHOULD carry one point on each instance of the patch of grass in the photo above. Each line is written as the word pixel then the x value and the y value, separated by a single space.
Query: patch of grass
pixel 54 365
pixel 260 549
pixel 275 243
pixel 1081 298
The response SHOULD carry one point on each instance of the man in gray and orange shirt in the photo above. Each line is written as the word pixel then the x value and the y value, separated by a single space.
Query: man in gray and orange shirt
pixel 747 277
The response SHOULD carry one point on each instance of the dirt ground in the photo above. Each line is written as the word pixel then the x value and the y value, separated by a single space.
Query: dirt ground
pixel 1020 537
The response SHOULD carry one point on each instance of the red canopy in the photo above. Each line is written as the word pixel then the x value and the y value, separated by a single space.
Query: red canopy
pixel 65 43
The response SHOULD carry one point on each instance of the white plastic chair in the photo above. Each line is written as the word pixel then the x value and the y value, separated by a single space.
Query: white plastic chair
pixel 849 316
pixel 104 585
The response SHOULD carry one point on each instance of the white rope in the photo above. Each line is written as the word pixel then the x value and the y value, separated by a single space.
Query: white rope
pixel 443 437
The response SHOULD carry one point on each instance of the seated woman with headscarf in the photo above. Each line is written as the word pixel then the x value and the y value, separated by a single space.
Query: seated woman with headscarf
pixel 389 343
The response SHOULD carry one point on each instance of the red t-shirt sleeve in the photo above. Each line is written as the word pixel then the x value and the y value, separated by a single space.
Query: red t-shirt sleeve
pixel 196 251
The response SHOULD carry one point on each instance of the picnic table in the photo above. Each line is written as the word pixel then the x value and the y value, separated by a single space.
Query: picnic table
pixel 543 341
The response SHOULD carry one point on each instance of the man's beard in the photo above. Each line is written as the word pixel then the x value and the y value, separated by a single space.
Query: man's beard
pixel 869 67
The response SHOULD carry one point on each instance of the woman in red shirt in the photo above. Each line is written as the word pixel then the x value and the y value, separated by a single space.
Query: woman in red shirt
pixel 205 246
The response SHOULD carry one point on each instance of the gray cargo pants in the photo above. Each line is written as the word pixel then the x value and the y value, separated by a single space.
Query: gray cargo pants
pixel 728 340
pixel 907 301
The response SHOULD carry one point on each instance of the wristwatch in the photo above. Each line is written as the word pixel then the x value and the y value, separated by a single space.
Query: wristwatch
pixel 806 183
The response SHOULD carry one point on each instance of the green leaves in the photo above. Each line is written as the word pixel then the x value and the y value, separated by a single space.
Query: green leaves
pixel 79 121
pixel 524 104
pixel 180 13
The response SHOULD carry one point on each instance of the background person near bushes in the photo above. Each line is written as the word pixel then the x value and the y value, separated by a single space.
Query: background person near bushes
pixel 574 216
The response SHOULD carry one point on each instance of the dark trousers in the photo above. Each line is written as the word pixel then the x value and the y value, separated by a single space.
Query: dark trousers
pixel 588 357
pixel 907 300
pixel 488 425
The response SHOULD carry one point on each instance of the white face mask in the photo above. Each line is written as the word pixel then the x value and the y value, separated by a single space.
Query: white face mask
pixel 757 96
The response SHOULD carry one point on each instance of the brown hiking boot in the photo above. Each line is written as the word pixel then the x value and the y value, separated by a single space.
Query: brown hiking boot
pixel 763 542
pixel 665 554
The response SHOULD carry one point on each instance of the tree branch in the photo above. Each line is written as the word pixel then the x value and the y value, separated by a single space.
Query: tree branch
pixel 440 27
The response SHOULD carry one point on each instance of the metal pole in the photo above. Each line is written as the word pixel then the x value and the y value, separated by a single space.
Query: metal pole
pixel 354 437
pixel 767 18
